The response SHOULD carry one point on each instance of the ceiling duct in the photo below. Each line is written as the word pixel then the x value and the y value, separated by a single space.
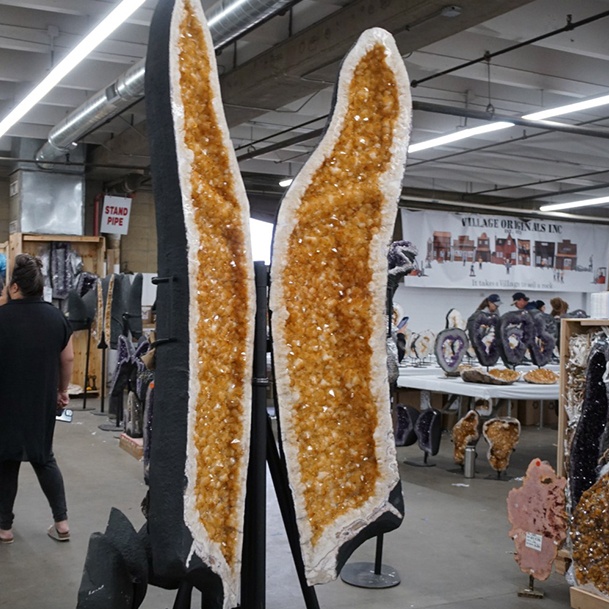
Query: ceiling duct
pixel 227 21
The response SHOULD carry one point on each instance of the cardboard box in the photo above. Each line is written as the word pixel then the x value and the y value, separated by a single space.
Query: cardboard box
pixel 529 413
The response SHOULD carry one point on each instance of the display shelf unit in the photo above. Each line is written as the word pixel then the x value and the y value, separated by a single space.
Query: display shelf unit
pixel 92 251
pixel 568 328
pixel 580 598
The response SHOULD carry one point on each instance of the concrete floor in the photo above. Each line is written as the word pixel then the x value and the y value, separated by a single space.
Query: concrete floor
pixel 452 550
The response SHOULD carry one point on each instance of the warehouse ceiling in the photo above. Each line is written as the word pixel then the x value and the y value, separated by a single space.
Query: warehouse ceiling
pixel 277 85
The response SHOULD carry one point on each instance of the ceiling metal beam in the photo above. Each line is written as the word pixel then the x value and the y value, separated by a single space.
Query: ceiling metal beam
pixel 287 72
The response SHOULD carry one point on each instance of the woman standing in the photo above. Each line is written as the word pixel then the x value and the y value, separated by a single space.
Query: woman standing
pixel 36 358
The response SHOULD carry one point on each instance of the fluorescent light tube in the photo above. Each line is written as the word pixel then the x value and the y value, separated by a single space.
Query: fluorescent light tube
pixel 285 183
pixel 576 107
pixel 231 8
pixel 459 135
pixel 122 12
pixel 575 204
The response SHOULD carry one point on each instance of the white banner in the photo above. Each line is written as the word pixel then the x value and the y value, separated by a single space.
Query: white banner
pixel 504 253
pixel 115 215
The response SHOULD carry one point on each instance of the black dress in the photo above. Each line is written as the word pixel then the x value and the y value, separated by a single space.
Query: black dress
pixel 33 333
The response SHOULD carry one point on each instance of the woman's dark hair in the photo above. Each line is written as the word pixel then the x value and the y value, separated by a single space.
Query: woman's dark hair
pixel 27 275
pixel 559 307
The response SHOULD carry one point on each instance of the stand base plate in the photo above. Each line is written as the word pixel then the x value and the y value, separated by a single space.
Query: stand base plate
pixel 503 477
pixel 99 413
pixel 110 427
pixel 419 463
pixel 528 593
pixel 362 575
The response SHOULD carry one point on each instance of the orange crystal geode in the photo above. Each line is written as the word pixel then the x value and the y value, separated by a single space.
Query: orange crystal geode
pixel 328 289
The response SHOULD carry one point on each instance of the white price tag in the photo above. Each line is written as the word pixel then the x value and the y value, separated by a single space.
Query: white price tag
pixel 533 541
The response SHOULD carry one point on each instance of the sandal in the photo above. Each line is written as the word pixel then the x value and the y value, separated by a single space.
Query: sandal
pixel 53 533
pixel 7 540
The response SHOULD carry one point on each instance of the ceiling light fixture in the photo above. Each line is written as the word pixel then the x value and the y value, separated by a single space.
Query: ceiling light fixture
pixel 535 116
pixel 285 183
pixel 576 107
pixel 227 11
pixel 122 12
pixel 459 135
pixel 451 11
pixel 575 204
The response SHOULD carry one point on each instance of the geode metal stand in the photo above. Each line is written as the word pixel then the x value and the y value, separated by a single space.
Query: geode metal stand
pixel 371 575
pixel 531 592
pixel 103 345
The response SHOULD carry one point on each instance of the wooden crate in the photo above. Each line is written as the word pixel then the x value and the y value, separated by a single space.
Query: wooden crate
pixel 134 446
pixel 562 561
pixel 92 251
pixel 582 599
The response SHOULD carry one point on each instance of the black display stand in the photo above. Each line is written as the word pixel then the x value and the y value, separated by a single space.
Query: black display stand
pixel 87 359
pixel 103 345
pixel 367 575
pixel 423 463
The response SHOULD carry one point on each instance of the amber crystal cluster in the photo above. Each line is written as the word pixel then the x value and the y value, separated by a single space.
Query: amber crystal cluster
pixel 505 374
pixel 328 331
pixel 502 436
pixel 590 536
pixel 465 432
pixel 541 376
pixel 219 299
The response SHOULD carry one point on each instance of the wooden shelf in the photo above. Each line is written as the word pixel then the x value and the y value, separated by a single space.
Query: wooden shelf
pixel 92 250
pixel 582 599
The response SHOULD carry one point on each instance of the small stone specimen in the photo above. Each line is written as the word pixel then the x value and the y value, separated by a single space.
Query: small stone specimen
pixel 405 434
pixel 537 514
pixel 483 329
pixel 451 346
pixel 541 376
pixel 590 536
pixel 517 331
pixel 423 344
pixel 505 374
pixel 465 432
pixel 502 435
pixel 585 448
pixel 428 428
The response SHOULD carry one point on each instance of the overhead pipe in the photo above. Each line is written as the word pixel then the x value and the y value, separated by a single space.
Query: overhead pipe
pixel 226 23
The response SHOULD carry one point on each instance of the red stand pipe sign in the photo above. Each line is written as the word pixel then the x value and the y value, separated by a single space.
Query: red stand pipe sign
pixel 115 215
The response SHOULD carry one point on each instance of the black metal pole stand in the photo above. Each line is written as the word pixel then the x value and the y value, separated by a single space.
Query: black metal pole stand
pixel 84 394
pixel 369 575
pixel 279 476
pixel 253 573
pixel 102 385
pixel 184 596
pixel 366 574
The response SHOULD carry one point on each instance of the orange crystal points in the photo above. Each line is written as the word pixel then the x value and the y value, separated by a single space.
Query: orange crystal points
pixel 221 332
pixel 328 330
